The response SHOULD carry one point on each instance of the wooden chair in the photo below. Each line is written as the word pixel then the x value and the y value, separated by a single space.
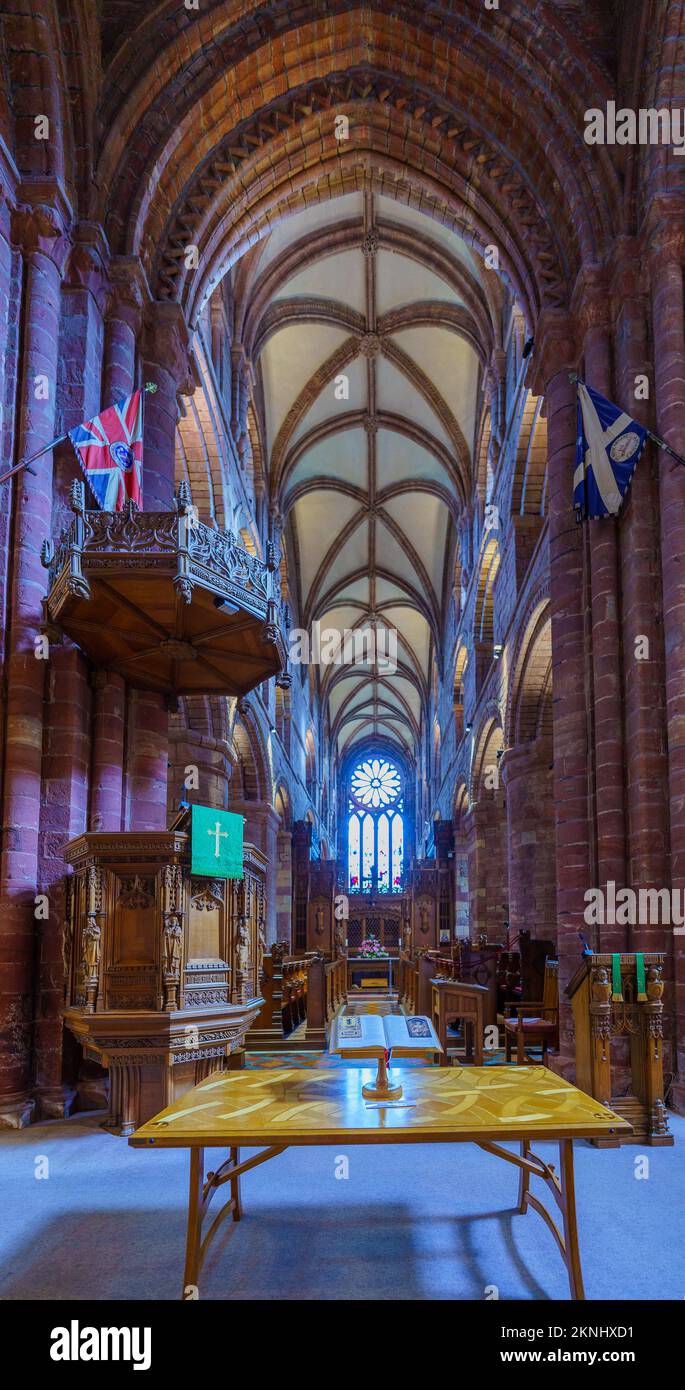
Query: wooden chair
pixel 537 1022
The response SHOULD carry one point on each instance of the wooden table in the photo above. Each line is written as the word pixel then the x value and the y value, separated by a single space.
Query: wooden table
pixel 291 1107
pixel 454 999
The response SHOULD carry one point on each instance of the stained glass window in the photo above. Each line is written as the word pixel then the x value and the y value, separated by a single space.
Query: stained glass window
pixel 397 850
pixel 383 860
pixel 375 846
pixel 368 851
pixel 353 848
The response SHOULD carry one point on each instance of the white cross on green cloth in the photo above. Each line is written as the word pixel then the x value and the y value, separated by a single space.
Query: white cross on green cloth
pixel 216 843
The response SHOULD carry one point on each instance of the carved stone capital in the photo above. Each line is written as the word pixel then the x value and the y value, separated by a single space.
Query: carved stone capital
pixel 39 230
pixel 128 292
pixel 167 345
pixel 86 265
pixel 665 235
pixel 626 270
pixel 556 349
pixel 590 300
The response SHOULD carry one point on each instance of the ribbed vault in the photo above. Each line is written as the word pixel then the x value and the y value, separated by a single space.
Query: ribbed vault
pixel 369 327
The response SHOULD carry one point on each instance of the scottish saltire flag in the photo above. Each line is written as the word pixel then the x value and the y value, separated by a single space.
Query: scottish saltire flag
pixel 608 446
pixel 110 451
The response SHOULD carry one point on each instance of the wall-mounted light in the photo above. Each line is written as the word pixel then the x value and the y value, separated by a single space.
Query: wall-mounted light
pixel 497 650
pixel 468 727
pixel 225 605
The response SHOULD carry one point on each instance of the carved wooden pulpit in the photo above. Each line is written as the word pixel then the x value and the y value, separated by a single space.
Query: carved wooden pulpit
pixel 162 968
pixel 621 996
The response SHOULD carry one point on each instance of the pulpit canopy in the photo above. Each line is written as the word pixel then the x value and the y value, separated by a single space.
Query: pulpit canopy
pixel 165 601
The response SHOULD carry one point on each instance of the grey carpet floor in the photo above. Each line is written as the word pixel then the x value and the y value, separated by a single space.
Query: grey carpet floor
pixel 422 1222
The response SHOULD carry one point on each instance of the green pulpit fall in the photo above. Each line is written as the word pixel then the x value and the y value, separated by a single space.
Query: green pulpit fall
pixel 216 843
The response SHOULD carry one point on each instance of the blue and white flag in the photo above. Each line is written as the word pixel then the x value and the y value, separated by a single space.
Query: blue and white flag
pixel 608 447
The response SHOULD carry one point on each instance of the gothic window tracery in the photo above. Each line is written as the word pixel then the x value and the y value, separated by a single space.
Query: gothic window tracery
pixel 375 827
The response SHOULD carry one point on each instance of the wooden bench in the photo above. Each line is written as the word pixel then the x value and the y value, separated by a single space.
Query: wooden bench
pixel 297 989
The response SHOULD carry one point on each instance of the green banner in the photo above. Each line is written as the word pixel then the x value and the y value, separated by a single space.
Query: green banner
pixel 216 843
pixel 640 977
pixel 616 985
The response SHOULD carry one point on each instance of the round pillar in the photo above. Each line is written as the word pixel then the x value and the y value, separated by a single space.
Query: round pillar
pixel 575 863
pixel 668 308
pixel 168 366
pixel 527 775
pixel 41 235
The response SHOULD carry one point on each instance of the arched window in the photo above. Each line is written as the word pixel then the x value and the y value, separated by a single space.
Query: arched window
pixel 375 828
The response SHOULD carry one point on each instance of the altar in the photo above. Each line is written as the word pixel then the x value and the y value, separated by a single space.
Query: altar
pixel 372 973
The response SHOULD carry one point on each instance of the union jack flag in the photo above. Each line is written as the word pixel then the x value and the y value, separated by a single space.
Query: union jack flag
pixel 110 451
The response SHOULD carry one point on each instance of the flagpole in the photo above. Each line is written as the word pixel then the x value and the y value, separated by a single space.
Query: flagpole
pixel 573 377
pixel 656 438
pixel 666 447
pixel 25 463
pixel 149 390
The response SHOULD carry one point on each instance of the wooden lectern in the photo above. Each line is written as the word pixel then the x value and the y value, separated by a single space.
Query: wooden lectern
pixel 161 968
pixel 607 1005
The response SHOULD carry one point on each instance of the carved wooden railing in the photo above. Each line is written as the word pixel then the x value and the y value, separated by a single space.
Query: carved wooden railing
pixel 336 986
pixel 200 553
pixel 408 983
pixel 174 567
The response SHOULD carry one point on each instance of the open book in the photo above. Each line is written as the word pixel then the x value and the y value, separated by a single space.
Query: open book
pixel 369 1035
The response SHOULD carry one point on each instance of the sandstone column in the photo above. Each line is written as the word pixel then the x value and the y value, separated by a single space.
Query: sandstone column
pixel 122 328
pixel 575 871
pixel 261 829
pixel 668 309
pixel 41 234
pixel 526 772
pixel 643 679
pixel 66 752
pixel 214 762
pixel 607 696
pixel 167 365
pixel 284 887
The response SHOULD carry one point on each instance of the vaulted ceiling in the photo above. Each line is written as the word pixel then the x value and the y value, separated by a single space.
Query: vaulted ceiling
pixel 370 325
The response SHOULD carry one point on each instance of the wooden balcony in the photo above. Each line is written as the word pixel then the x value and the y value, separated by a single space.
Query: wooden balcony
pixel 165 601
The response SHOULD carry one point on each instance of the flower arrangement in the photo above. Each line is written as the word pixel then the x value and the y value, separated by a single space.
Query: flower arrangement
pixel 371 948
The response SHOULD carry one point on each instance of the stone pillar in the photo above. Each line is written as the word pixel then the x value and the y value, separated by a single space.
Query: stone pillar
pixel 575 871
pixel 40 232
pixel 66 753
pixel 168 365
pixel 114 704
pixel 64 804
pixel 487 848
pixel 10 307
pixel 284 887
pixel 668 310
pixel 527 775
pixel 261 829
pixel 607 693
pixel 240 380
pixel 122 329
pixel 148 761
pixel 107 767
pixel 643 680
pixel 213 759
